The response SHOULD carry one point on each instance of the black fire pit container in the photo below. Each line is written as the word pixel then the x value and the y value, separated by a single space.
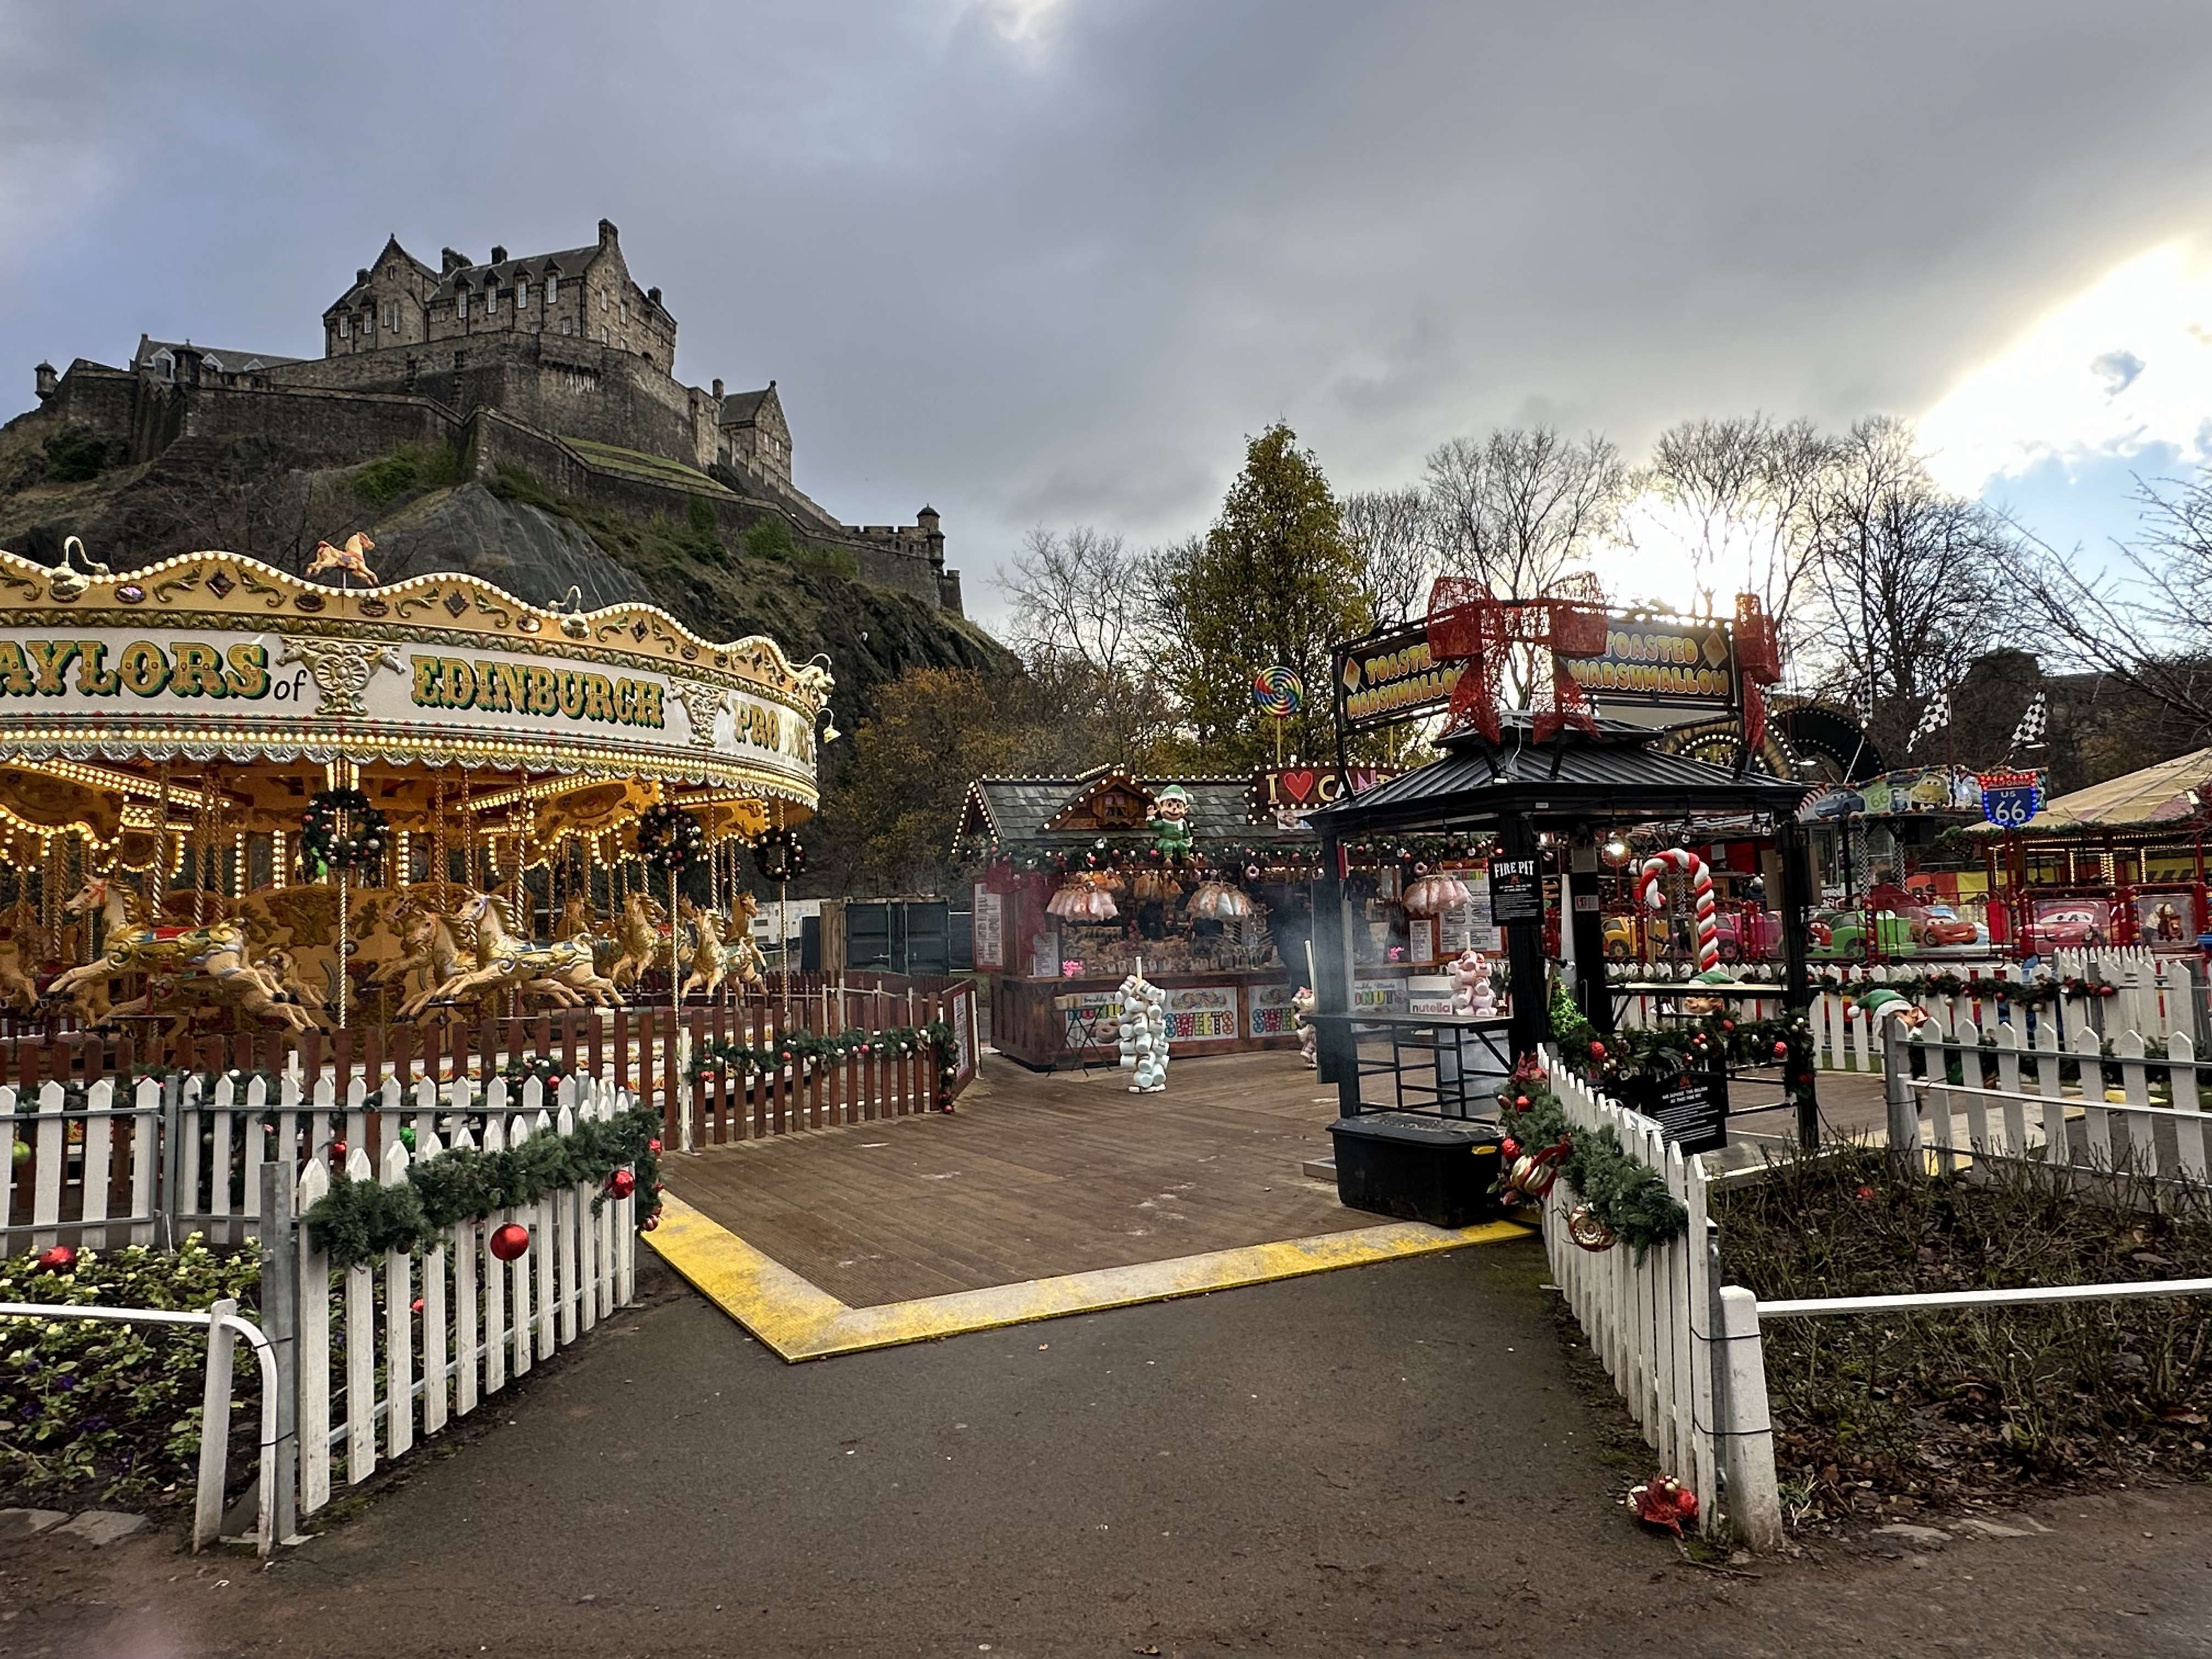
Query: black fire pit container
pixel 1439 1171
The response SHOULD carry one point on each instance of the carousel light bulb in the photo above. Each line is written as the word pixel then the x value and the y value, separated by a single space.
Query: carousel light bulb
pixel 1615 852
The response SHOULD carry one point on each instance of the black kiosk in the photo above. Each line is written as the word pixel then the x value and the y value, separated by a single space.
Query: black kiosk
pixel 1548 784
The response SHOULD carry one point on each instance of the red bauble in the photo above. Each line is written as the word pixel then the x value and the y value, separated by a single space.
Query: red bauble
pixel 58 1260
pixel 1510 1147
pixel 1597 1051
pixel 510 1241
pixel 1782 1051
pixel 1522 1102
pixel 338 1149
pixel 415 1306
pixel 654 1144
pixel 650 1223
pixel 622 1183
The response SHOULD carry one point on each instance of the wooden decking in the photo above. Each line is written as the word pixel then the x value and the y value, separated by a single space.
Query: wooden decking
pixel 1035 1175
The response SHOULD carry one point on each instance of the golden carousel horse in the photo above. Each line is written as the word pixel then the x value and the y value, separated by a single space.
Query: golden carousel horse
pixel 504 961
pixel 431 954
pixel 201 958
pixel 712 960
pixel 644 943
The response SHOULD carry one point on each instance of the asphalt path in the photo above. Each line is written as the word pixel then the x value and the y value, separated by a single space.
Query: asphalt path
pixel 1389 1458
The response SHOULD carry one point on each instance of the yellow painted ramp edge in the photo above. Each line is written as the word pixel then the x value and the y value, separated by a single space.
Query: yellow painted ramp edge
pixel 798 1320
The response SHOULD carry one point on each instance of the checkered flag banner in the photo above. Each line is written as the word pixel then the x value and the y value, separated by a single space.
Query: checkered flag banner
pixel 2028 734
pixel 1938 716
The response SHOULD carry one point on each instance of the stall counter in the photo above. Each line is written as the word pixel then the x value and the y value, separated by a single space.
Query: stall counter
pixel 1048 1022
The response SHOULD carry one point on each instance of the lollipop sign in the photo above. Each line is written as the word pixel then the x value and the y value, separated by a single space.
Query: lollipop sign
pixel 1277 692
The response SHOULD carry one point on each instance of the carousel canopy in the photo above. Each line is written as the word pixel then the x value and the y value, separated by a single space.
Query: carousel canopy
pixel 2167 794
pixel 214 682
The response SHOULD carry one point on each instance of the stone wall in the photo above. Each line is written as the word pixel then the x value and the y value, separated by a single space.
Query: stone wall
pixel 515 407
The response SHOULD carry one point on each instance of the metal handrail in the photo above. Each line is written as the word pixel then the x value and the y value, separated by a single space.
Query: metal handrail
pixel 207 1516
pixel 1912 1302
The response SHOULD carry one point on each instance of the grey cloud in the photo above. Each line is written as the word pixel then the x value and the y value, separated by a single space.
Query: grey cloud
pixel 1061 280
pixel 2117 370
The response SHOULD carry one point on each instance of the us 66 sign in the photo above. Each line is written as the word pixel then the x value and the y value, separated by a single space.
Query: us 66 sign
pixel 2009 799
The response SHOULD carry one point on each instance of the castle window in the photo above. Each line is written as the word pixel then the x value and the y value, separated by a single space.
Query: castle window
pixel 461 307
pixel 343 320
pixel 164 365
pixel 552 289
pixel 522 295
pixel 391 317
pixel 625 311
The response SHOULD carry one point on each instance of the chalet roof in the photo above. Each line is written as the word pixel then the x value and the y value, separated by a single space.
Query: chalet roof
pixel 1010 811
pixel 1616 776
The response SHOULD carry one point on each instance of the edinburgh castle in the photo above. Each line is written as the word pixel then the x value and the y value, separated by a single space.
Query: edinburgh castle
pixel 558 364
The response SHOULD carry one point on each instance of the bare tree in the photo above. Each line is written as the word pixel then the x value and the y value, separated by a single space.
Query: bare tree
pixel 1522 507
pixel 1081 614
pixel 2146 624
pixel 1391 532
pixel 1744 489
pixel 1905 585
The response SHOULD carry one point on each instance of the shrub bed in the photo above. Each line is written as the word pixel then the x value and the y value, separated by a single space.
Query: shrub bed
pixel 1878 1416
pixel 90 1409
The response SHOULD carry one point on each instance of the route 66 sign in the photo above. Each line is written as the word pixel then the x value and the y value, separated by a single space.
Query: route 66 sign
pixel 2009 799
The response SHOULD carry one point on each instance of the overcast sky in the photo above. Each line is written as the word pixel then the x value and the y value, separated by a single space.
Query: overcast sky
pixel 1046 261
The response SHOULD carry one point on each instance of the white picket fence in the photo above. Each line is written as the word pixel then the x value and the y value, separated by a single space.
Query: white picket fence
pixel 2139 1109
pixel 481 1322
pixel 1661 1326
pixel 2158 997
pixel 107 1167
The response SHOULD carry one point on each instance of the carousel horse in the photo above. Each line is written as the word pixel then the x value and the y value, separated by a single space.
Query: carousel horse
pixel 432 955
pixel 351 558
pixel 711 960
pixel 203 958
pixel 504 961
pixel 644 944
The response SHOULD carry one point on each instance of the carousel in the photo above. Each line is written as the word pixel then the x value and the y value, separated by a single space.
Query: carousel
pixel 236 799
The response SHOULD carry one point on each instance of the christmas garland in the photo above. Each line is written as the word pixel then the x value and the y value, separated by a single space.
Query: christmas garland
pixel 1672 1050
pixel 733 1058
pixel 668 839
pixel 2027 994
pixel 357 1221
pixel 779 855
pixel 1627 1195
pixel 341 830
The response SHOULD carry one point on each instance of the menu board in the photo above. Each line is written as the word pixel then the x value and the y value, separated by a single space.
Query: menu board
pixel 1468 927
pixel 990 929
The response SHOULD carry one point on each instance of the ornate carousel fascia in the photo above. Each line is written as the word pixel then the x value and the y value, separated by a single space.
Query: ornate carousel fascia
pixel 446 607
pixel 124 696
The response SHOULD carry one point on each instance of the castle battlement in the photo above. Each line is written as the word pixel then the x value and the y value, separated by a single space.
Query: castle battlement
pixel 566 345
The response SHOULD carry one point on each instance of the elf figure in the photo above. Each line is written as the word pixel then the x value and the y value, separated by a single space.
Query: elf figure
pixel 1170 820
pixel 1302 1007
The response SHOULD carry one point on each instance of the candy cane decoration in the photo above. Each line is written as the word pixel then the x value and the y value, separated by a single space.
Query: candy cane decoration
pixel 1700 877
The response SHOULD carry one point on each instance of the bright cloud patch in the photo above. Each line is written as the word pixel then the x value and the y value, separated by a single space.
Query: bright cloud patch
pixel 2123 368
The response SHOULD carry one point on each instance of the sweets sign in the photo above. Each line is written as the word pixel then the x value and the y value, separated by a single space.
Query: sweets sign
pixel 1283 795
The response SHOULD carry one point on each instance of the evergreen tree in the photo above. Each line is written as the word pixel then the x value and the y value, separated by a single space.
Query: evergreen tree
pixel 1275 581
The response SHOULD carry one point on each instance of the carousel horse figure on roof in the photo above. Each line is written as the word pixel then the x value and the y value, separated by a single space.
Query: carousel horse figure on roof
pixel 352 558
